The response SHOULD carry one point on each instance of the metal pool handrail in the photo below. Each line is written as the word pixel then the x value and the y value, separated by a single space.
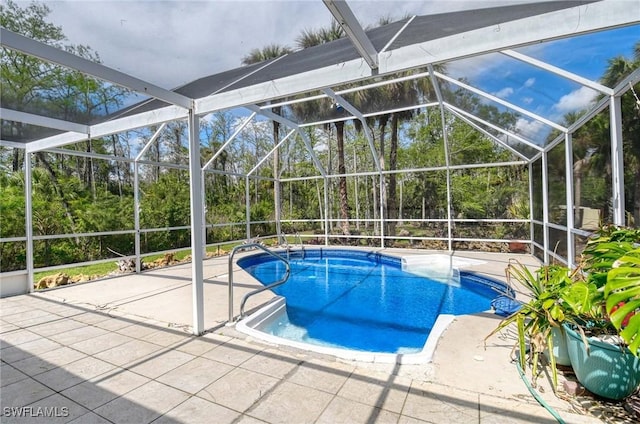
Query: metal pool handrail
pixel 261 289
pixel 301 244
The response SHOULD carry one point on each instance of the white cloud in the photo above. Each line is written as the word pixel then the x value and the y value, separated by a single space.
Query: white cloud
pixel 504 93
pixel 170 43
pixel 473 67
pixel 529 82
pixel 527 100
pixel 576 100
pixel 530 128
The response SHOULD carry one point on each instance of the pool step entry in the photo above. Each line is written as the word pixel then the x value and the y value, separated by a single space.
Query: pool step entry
pixel 256 291
pixel 437 267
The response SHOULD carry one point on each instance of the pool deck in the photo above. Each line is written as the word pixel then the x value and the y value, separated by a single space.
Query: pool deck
pixel 120 351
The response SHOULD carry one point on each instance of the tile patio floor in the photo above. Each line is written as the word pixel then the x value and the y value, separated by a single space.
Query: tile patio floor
pixel 120 351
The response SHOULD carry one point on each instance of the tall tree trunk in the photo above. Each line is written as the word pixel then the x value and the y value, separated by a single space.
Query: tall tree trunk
pixel 90 177
pixel 54 180
pixel 344 201
pixel 16 152
pixel 16 160
pixel 156 168
pixel 114 139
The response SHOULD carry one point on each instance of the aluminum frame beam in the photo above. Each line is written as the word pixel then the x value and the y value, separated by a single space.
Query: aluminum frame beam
pixel 495 127
pixel 488 134
pixel 42 121
pixel 558 71
pixel 348 21
pixel 26 45
pixel 365 127
pixel 13 144
pixel 291 124
pixel 445 140
pixel 571 21
pixel 580 19
pixel 154 117
pixel 229 140
pixel 500 101
pixel 270 152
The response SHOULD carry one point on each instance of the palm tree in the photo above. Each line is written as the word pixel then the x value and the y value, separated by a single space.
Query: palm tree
pixel 407 92
pixel 269 52
pixel 310 38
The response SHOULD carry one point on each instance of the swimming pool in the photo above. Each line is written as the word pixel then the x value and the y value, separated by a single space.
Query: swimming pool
pixel 360 304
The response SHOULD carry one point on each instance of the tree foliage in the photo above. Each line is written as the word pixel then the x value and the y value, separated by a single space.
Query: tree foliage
pixel 82 197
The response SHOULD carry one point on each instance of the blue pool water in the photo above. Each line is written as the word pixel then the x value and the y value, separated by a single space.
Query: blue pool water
pixel 364 300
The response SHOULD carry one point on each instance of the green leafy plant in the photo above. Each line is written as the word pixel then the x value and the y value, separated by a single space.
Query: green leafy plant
pixel 546 309
pixel 622 296
pixel 606 300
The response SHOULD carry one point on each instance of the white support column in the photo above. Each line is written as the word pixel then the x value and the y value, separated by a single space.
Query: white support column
pixel 204 217
pixel 531 217
pixel 382 202
pixel 28 217
pixel 136 191
pixel 617 161
pixel 136 213
pixel 247 205
pixel 195 181
pixel 447 162
pixel 568 153
pixel 278 210
pixel 445 138
pixel 545 207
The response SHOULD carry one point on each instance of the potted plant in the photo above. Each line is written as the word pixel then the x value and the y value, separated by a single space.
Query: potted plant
pixel 603 336
pixel 539 319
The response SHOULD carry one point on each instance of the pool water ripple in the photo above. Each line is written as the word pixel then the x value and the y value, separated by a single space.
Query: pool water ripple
pixel 359 301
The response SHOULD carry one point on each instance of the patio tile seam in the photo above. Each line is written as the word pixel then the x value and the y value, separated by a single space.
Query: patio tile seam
pixel 29 327
pixel 264 395
pixel 56 392
pixel 138 361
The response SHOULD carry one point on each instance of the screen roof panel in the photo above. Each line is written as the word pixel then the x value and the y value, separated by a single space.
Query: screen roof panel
pixel 432 27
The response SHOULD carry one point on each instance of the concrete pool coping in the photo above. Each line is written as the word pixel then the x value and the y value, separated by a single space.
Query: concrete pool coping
pixel 119 350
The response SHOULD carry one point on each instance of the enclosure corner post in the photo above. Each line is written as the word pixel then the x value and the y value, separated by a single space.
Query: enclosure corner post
pixel 247 206
pixel 617 161
pixel 568 152
pixel 195 187
pixel 545 206
pixel 136 213
pixel 28 216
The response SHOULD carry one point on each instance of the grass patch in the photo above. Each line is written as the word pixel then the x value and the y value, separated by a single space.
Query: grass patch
pixel 100 269
pixel 105 268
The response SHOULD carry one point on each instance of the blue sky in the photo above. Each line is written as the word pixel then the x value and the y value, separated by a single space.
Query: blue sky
pixel 542 92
